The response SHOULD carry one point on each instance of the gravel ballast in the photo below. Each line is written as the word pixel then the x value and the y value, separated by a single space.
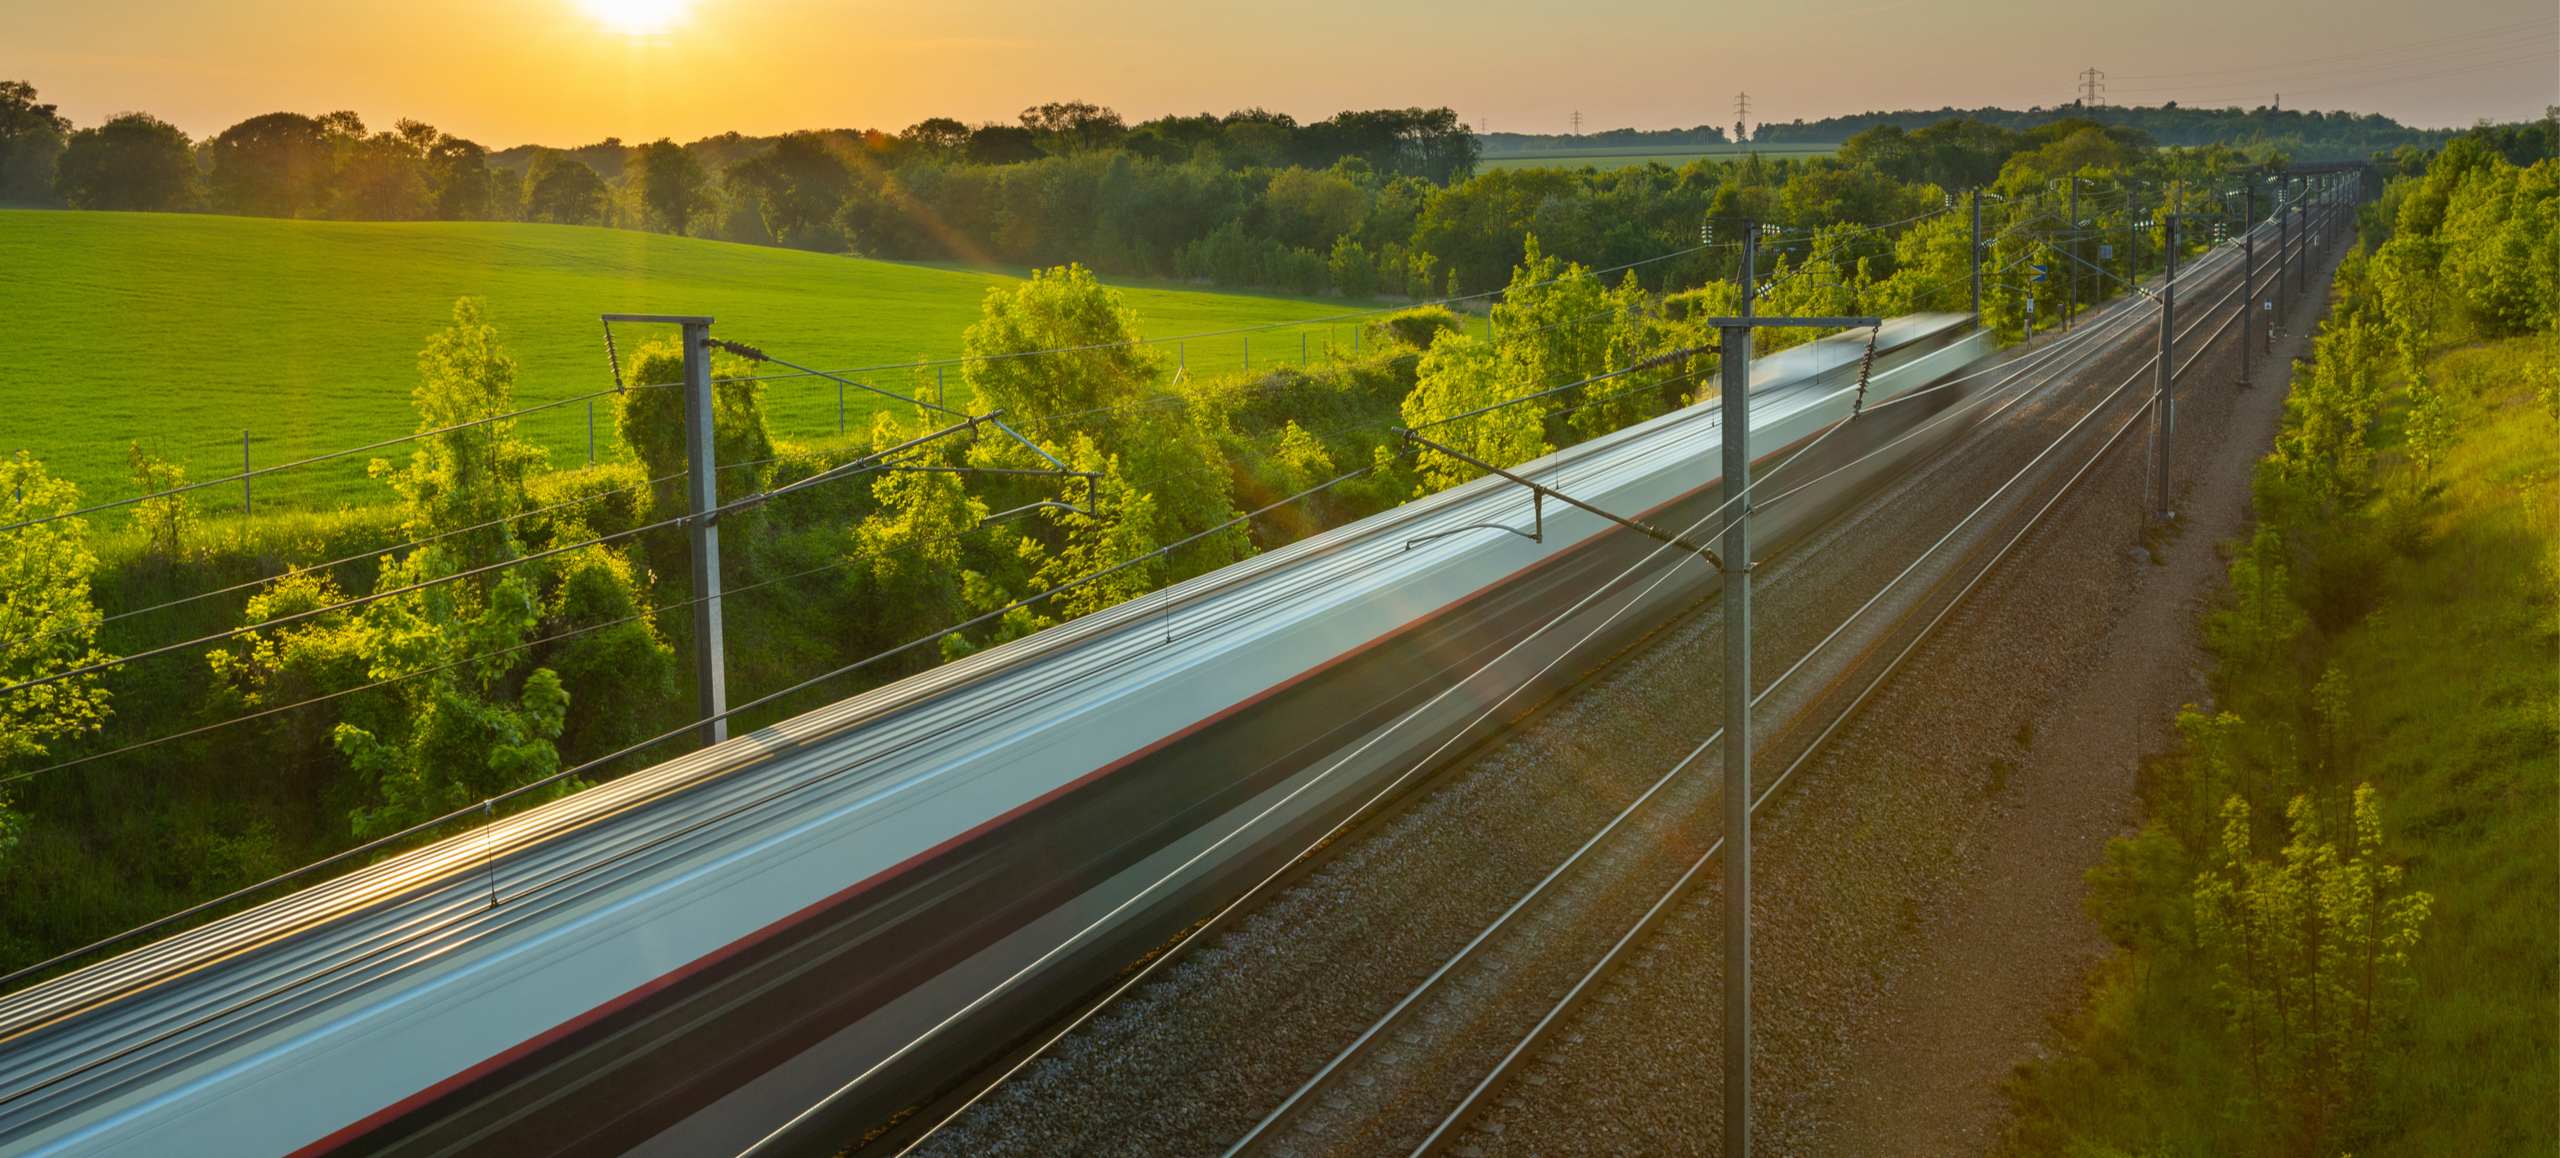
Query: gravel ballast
pixel 1860 864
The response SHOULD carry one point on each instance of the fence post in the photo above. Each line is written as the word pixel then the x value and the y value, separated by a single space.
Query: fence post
pixel 839 407
pixel 246 507
pixel 591 432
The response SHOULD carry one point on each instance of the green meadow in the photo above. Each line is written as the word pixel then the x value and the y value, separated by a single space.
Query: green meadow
pixel 183 330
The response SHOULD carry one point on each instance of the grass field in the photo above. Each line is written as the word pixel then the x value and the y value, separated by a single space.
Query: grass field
pixel 1620 159
pixel 183 330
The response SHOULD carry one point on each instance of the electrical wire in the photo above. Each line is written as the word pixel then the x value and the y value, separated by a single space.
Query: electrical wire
pixel 331 456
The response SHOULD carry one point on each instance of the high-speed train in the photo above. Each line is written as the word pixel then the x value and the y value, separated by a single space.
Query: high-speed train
pixel 679 960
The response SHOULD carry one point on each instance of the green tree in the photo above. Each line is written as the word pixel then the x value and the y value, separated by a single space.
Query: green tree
pixel 48 624
pixel 459 180
pixel 1310 209
pixel 384 177
pixel 561 189
pixel 135 162
pixel 1099 366
pixel 32 135
pixel 488 725
pixel 1459 373
pixel 2310 952
pixel 674 191
pixel 1354 275
pixel 910 571
pixel 277 165
pixel 796 188
pixel 477 686
pixel 650 419
pixel 165 516
pixel 1073 126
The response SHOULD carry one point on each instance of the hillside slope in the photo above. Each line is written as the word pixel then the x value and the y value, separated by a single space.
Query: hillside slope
pixel 183 330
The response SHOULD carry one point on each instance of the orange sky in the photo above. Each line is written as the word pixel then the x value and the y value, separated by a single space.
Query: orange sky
pixel 515 71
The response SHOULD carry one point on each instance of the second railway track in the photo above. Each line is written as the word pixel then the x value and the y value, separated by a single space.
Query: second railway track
pixel 1410 1075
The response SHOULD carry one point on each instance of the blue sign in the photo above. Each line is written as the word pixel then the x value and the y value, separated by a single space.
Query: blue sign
pixel 2040 271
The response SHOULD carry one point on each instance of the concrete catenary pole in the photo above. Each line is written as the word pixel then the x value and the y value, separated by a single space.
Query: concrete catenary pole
pixel 2164 407
pixel 2071 268
pixel 2248 276
pixel 2302 226
pixel 1736 549
pixel 702 486
pixel 702 529
pixel 1977 259
pixel 2278 288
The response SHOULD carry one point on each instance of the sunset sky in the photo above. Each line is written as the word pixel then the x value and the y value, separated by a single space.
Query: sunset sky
pixel 566 72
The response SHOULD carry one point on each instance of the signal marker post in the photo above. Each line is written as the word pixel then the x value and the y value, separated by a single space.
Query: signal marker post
pixel 702 489
pixel 1734 337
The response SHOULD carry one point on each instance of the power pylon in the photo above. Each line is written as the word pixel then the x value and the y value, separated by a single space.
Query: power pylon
pixel 1741 110
pixel 2093 88
pixel 1577 122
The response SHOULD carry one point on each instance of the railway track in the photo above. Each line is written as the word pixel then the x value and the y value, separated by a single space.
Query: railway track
pixel 1394 1086
pixel 1388 1090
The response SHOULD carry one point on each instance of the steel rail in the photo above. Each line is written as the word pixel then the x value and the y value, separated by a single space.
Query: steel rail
pixel 1651 919
pixel 1360 1045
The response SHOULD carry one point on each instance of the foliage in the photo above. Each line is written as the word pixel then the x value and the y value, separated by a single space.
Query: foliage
pixel 795 189
pixel 649 418
pixel 561 189
pixel 464 711
pixel 165 516
pixel 2382 664
pixel 47 622
pixel 278 164
pixel 135 161
pixel 1461 373
pixel 674 190
pixel 32 134
pixel 1103 366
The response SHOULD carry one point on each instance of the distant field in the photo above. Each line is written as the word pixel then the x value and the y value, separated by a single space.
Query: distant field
pixel 183 330
pixel 1619 159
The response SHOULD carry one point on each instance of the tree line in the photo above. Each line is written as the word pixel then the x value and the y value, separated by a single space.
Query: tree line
pixel 2305 134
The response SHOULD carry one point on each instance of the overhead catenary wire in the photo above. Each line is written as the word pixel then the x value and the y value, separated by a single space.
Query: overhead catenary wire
pixel 1174 951
pixel 990 522
pixel 1522 903
pixel 1362 809
pixel 1537 1032
pixel 484 807
pixel 636 530
pixel 373 597
pixel 834 375
pixel 313 460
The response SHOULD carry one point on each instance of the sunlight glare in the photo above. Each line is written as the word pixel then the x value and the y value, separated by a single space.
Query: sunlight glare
pixel 635 17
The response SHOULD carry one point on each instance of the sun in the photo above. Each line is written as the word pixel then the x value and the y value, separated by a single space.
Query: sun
pixel 636 17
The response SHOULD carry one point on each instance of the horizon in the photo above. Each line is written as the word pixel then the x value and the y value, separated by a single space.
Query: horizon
pixel 565 73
